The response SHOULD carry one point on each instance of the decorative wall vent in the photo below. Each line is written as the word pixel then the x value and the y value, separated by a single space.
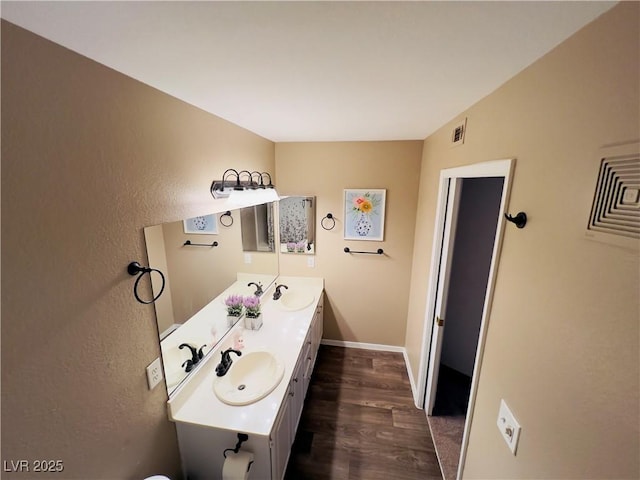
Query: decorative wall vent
pixel 457 136
pixel 616 201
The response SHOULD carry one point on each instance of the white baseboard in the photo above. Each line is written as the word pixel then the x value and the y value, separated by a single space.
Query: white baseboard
pixel 382 348
pixel 414 390
pixel 365 346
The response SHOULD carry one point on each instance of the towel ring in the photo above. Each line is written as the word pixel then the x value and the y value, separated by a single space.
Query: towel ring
pixel 134 268
pixel 226 223
pixel 330 217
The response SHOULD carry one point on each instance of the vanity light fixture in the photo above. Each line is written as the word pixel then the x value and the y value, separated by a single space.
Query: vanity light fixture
pixel 233 184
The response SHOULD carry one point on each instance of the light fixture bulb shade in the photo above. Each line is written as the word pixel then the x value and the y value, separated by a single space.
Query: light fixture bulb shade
pixel 247 198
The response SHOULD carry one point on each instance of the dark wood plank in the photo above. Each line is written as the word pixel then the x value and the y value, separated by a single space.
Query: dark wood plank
pixel 362 396
pixel 394 462
pixel 359 421
pixel 410 418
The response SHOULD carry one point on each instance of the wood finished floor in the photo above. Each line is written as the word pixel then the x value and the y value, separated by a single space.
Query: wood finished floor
pixel 359 421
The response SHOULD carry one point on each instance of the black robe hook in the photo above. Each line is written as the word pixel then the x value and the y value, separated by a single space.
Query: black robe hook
pixel 520 219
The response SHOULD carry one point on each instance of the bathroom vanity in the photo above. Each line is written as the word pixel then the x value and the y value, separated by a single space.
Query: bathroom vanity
pixel 207 426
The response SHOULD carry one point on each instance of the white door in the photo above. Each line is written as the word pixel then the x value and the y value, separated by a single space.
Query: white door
pixel 436 296
pixel 440 314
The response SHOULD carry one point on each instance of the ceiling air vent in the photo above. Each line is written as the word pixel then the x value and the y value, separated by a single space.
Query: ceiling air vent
pixel 616 201
pixel 457 137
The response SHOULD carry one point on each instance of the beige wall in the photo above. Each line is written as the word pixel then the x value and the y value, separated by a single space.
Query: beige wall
pixel 89 158
pixel 366 295
pixel 562 344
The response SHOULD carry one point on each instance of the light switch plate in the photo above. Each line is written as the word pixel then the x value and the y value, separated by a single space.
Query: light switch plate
pixel 154 373
pixel 508 426
pixel 311 262
pixel 247 258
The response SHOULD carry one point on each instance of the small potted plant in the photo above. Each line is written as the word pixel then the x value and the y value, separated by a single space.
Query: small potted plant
pixel 291 247
pixel 300 246
pixel 234 305
pixel 253 317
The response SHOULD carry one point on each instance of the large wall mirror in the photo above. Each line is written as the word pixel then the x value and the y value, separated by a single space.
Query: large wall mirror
pixel 297 224
pixel 258 234
pixel 197 272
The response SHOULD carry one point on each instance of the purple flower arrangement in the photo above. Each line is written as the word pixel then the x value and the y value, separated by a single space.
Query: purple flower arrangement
pixel 252 305
pixel 234 305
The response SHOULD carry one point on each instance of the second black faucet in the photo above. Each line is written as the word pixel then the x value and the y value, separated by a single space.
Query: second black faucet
pixel 258 286
pixel 277 294
pixel 225 362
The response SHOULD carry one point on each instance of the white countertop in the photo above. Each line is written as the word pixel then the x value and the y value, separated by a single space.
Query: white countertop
pixel 283 333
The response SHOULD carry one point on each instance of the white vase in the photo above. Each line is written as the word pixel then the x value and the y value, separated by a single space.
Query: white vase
pixel 363 225
pixel 232 319
pixel 253 323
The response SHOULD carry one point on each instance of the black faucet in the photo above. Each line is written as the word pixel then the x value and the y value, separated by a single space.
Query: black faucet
pixel 259 290
pixel 226 361
pixel 277 294
pixel 196 356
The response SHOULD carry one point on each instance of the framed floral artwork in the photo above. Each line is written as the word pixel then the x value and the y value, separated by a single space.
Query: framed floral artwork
pixel 205 224
pixel 364 214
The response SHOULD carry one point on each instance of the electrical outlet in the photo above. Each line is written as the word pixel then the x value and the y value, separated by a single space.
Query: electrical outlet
pixel 508 426
pixel 154 373
pixel 311 261
pixel 247 258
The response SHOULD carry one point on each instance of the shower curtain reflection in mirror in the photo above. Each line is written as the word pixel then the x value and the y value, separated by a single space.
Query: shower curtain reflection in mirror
pixel 297 225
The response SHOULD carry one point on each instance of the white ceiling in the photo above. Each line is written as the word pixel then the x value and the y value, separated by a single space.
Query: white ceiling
pixel 315 71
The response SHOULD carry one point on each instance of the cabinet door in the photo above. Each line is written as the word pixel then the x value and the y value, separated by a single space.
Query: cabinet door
pixel 298 389
pixel 317 327
pixel 305 359
pixel 281 440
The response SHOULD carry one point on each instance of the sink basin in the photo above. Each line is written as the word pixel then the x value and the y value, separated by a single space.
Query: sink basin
pixel 293 300
pixel 251 377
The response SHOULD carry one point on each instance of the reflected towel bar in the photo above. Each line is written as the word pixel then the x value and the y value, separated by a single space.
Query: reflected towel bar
pixel 189 244
pixel 377 252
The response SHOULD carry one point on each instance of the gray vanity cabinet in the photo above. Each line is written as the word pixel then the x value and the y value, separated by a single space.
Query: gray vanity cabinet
pixel 286 424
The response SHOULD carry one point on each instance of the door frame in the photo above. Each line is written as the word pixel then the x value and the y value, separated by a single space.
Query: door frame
pixel 497 168
pixel 452 206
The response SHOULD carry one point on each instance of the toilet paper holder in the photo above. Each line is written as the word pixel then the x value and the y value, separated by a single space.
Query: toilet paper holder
pixel 242 437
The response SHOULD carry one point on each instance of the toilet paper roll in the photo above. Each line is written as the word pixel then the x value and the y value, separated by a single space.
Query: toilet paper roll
pixel 237 465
